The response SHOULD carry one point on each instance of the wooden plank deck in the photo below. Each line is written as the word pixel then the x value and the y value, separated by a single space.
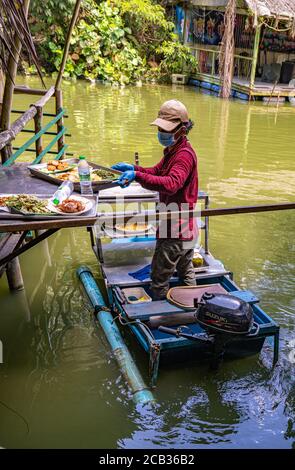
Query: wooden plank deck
pixel 260 88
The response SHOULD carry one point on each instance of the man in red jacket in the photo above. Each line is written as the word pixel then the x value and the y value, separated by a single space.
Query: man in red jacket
pixel 175 177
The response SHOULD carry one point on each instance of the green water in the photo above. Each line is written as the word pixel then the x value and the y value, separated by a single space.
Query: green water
pixel 58 372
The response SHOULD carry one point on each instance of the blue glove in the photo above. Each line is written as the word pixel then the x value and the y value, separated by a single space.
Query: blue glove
pixel 126 178
pixel 122 166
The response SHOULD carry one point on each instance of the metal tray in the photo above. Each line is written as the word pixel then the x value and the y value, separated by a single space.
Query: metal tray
pixel 9 215
pixel 96 185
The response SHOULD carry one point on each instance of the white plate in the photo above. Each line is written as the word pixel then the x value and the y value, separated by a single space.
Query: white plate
pixel 87 202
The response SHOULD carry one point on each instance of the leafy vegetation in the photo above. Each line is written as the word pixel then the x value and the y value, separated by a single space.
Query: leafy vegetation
pixel 120 41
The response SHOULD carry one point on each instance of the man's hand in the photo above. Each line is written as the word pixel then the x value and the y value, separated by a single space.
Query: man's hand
pixel 122 166
pixel 126 178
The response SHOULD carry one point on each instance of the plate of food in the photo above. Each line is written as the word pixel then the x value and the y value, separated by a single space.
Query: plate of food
pixel 67 170
pixel 26 204
pixel 74 205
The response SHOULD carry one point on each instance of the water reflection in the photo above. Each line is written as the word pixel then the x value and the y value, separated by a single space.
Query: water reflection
pixel 58 372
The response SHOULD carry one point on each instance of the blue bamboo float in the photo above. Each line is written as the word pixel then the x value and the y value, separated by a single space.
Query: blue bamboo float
pixel 141 394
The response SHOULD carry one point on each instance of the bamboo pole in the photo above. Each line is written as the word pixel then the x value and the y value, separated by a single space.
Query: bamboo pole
pixel 67 44
pixel 9 88
pixel 255 56
pixel 24 90
pixel 150 217
pixel 8 135
pixel 17 222
pixel 2 80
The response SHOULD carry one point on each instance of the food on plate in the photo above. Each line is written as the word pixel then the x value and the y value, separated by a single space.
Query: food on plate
pixel 4 200
pixel 104 174
pixel 57 165
pixel 69 176
pixel 135 227
pixel 28 203
pixel 71 206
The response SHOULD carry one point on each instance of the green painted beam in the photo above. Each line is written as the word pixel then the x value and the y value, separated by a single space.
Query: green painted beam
pixel 32 140
pixel 39 158
pixel 49 151
pixel 61 152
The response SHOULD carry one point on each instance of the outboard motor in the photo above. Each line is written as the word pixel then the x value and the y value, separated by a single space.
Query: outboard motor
pixel 224 313
pixel 224 318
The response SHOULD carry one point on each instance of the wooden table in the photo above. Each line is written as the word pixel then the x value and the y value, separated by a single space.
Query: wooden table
pixel 17 179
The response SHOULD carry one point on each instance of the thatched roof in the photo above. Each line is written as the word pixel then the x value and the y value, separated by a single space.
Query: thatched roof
pixel 274 8
pixel 271 8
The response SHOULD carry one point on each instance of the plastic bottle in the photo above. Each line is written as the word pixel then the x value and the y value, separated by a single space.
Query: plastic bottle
pixel 84 175
pixel 63 192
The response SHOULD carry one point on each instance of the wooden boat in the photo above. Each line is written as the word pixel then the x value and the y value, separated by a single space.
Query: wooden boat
pixel 120 258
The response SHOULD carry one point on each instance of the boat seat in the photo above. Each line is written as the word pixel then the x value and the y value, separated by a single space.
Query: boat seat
pixel 145 310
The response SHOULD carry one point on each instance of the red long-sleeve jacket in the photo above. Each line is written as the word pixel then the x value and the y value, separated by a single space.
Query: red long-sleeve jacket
pixel 175 177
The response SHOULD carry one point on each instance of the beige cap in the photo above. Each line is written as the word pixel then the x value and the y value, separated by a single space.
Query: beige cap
pixel 171 113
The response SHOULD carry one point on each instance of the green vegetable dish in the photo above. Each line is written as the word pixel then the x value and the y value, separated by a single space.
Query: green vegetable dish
pixel 28 204
pixel 104 174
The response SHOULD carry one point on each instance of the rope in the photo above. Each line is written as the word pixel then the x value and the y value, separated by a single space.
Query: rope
pixel 17 414
pixel 276 29
pixel 99 308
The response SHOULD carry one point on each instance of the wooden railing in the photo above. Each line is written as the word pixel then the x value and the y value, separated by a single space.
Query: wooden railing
pixel 35 113
pixel 241 62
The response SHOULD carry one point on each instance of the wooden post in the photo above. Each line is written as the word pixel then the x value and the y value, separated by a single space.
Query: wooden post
pixel 184 26
pixel 9 87
pixel 38 126
pixel 60 122
pixel 213 64
pixel 67 44
pixel 14 275
pixel 255 55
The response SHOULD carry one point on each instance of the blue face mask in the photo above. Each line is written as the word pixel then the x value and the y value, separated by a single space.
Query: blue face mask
pixel 166 139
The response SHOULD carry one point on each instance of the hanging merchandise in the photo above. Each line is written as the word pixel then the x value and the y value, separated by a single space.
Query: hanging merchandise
pixel 206 27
